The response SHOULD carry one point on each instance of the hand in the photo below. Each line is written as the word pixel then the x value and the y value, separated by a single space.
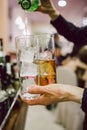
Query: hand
pixel 47 7
pixel 54 93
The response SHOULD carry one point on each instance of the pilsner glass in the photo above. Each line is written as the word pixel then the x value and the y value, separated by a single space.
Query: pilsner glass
pixel 36 61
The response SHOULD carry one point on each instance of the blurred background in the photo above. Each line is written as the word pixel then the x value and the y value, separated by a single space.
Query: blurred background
pixel 12 24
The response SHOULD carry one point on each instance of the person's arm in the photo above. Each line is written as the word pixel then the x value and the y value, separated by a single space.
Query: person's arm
pixel 78 35
pixel 54 93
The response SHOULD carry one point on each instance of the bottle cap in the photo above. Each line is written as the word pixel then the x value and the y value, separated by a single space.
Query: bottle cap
pixel 25 4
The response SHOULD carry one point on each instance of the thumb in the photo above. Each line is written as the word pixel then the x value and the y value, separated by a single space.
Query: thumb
pixel 42 9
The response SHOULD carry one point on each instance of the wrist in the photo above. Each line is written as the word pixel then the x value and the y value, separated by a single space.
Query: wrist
pixel 53 15
pixel 76 94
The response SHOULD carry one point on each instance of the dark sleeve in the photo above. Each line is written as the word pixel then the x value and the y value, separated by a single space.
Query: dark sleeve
pixel 84 101
pixel 78 35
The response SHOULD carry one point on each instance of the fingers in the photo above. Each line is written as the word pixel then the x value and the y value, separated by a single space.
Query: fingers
pixel 36 90
pixel 36 101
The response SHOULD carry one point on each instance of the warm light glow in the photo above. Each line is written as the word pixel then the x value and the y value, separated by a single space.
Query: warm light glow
pixel 62 3
pixel 18 20
pixel 21 26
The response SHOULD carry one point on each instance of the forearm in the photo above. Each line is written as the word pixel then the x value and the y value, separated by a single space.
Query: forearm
pixel 65 28
pixel 72 93
pixel 53 14
pixel 75 34
pixel 76 94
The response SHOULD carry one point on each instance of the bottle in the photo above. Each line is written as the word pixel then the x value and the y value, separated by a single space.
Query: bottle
pixel 29 5
pixel 15 75
pixel 8 65
pixel 3 105
pixel 4 102
pixel 9 79
pixel 1 51
pixel 1 61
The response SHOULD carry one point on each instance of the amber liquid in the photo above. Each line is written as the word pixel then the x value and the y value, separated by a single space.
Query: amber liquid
pixel 46 72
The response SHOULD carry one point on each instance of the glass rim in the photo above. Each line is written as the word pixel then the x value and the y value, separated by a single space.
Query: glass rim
pixel 33 35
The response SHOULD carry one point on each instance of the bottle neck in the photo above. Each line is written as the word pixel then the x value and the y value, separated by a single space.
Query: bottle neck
pixel 1 52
